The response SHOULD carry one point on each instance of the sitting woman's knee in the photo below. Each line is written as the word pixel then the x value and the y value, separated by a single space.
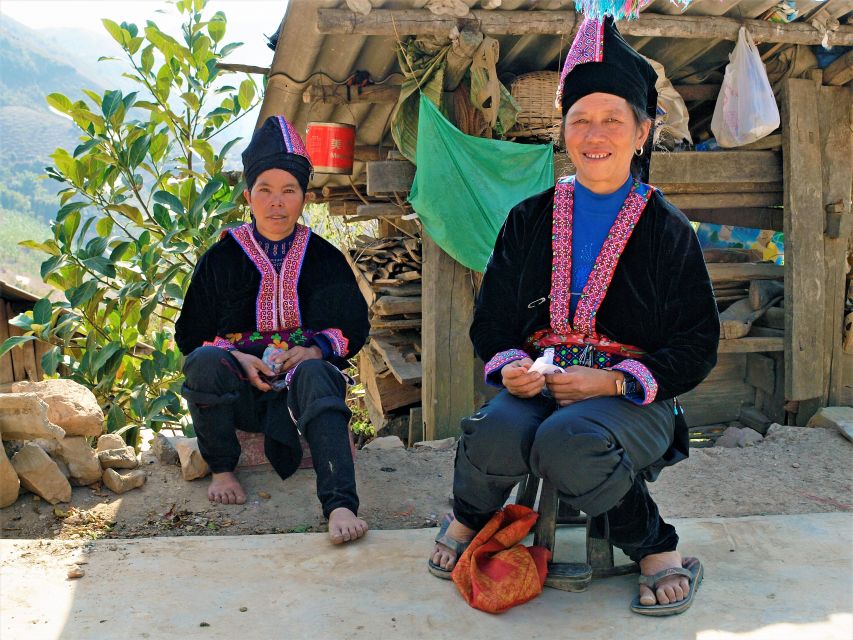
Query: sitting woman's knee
pixel 494 440
pixel 575 457
pixel 205 361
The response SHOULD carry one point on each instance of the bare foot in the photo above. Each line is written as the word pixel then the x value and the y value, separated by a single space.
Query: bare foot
pixel 345 526
pixel 444 556
pixel 226 489
pixel 670 589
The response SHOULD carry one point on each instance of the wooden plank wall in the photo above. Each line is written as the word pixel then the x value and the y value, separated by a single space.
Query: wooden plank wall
pixel 24 361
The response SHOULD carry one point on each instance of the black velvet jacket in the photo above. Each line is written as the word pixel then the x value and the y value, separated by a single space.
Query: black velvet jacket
pixel 660 298
pixel 224 288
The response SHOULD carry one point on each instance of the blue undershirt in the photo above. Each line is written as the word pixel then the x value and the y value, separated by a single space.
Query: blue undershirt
pixel 276 251
pixel 592 217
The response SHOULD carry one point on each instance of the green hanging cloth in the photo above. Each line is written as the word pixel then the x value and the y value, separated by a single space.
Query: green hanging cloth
pixel 465 186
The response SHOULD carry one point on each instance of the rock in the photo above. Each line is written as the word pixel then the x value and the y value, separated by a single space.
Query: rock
pixel 23 416
pixel 70 405
pixel 82 461
pixel 121 482
pixel 110 441
pixel 62 467
pixel 193 465
pixel 385 442
pixel 729 438
pixel 164 448
pixel 749 437
pixel 10 484
pixel 437 445
pixel 840 418
pixel 75 572
pixel 39 474
pixel 124 458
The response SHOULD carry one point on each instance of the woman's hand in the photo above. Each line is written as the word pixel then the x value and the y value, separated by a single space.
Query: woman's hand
pixel 581 383
pixel 253 367
pixel 519 381
pixel 293 356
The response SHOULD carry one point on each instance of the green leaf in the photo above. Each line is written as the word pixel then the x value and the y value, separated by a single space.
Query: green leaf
pixel 42 310
pixel 50 265
pixel 114 30
pixel 246 94
pixel 138 151
pixel 100 264
pixel 14 341
pixel 118 253
pixel 206 194
pixel 47 247
pixel 59 102
pixel 51 360
pixel 169 200
pixel 86 146
pixel 147 58
pixel 115 419
pixel 228 48
pixel 105 354
pixel 110 104
pixel 104 227
pixel 23 321
pixel 79 296
pixel 216 27
pixel 68 209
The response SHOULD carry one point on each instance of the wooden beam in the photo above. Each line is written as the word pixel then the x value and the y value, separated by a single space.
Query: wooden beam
pixel 672 188
pixel 448 356
pixel 383 22
pixel 405 372
pixel 725 200
pixel 840 70
pixel 339 94
pixel 743 271
pixel 836 144
pixel 381 210
pixel 751 344
pixel 242 68
pixel 698 92
pixel 805 296
pixel 753 218
pixel 704 167
pixel 389 176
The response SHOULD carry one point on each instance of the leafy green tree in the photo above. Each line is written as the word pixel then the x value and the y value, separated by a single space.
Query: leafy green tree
pixel 143 196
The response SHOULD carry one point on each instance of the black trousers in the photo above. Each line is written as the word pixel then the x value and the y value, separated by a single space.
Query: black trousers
pixel 595 452
pixel 221 400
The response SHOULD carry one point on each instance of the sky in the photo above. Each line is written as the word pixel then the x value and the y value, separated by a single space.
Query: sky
pixel 248 22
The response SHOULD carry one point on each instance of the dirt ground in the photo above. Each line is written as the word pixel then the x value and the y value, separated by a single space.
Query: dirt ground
pixel 794 470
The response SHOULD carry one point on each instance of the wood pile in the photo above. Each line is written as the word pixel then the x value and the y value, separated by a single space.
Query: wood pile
pixel 388 272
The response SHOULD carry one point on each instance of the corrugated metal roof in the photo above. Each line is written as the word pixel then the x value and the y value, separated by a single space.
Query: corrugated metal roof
pixel 302 51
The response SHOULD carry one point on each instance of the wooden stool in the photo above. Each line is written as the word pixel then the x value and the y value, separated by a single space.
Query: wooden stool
pixel 570 576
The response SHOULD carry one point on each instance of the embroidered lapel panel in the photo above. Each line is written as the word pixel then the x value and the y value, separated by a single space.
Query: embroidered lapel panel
pixel 277 304
pixel 289 279
pixel 605 263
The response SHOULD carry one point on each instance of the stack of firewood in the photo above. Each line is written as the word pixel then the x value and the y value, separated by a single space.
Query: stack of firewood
pixel 388 272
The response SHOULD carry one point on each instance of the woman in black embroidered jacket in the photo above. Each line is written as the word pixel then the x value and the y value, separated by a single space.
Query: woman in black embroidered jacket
pixel 272 282
pixel 603 277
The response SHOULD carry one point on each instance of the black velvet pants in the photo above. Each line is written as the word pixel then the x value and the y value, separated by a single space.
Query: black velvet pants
pixel 221 400
pixel 595 452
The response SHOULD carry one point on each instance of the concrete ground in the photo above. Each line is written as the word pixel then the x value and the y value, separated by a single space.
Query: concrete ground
pixel 773 577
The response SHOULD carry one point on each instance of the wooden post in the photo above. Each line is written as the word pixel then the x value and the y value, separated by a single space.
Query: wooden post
pixel 448 357
pixel 836 145
pixel 805 294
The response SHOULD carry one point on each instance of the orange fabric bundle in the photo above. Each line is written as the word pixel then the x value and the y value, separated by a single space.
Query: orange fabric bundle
pixel 496 572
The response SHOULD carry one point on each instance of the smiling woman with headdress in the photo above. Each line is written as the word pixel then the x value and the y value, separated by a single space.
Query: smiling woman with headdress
pixel 608 277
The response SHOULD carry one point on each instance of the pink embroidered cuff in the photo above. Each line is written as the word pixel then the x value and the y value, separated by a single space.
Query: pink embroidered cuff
pixel 644 377
pixel 222 343
pixel 500 359
pixel 339 342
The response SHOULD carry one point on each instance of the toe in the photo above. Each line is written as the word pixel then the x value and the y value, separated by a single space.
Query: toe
pixel 678 592
pixel 647 598
pixel 662 596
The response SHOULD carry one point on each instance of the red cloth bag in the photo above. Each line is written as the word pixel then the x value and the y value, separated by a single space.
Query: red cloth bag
pixel 496 572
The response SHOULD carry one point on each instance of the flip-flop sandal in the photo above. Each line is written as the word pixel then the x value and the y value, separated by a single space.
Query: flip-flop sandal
pixel 691 569
pixel 457 546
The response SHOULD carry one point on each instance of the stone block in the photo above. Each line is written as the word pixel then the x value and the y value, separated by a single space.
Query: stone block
pixel 437 445
pixel 121 482
pixel 23 416
pixel 110 441
pixel 124 458
pixel 10 484
pixel 193 465
pixel 82 461
pixel 840 418
pixel 385 442
pixel 40 474
pixel 70 405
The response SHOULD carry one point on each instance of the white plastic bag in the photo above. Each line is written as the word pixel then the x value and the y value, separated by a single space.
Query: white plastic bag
pixel 746 110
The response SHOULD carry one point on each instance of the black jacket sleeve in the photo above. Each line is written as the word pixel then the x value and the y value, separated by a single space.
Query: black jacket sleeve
pixel 197 320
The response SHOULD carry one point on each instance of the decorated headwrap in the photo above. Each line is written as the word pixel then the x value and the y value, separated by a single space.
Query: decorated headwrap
pixel 619 9
pixel 276 145
pixel 600 61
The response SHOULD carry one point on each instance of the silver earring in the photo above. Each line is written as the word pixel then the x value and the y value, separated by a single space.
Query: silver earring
pixel 639 152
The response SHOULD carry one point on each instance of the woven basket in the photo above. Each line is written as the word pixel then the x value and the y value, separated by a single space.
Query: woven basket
pixel 535 92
